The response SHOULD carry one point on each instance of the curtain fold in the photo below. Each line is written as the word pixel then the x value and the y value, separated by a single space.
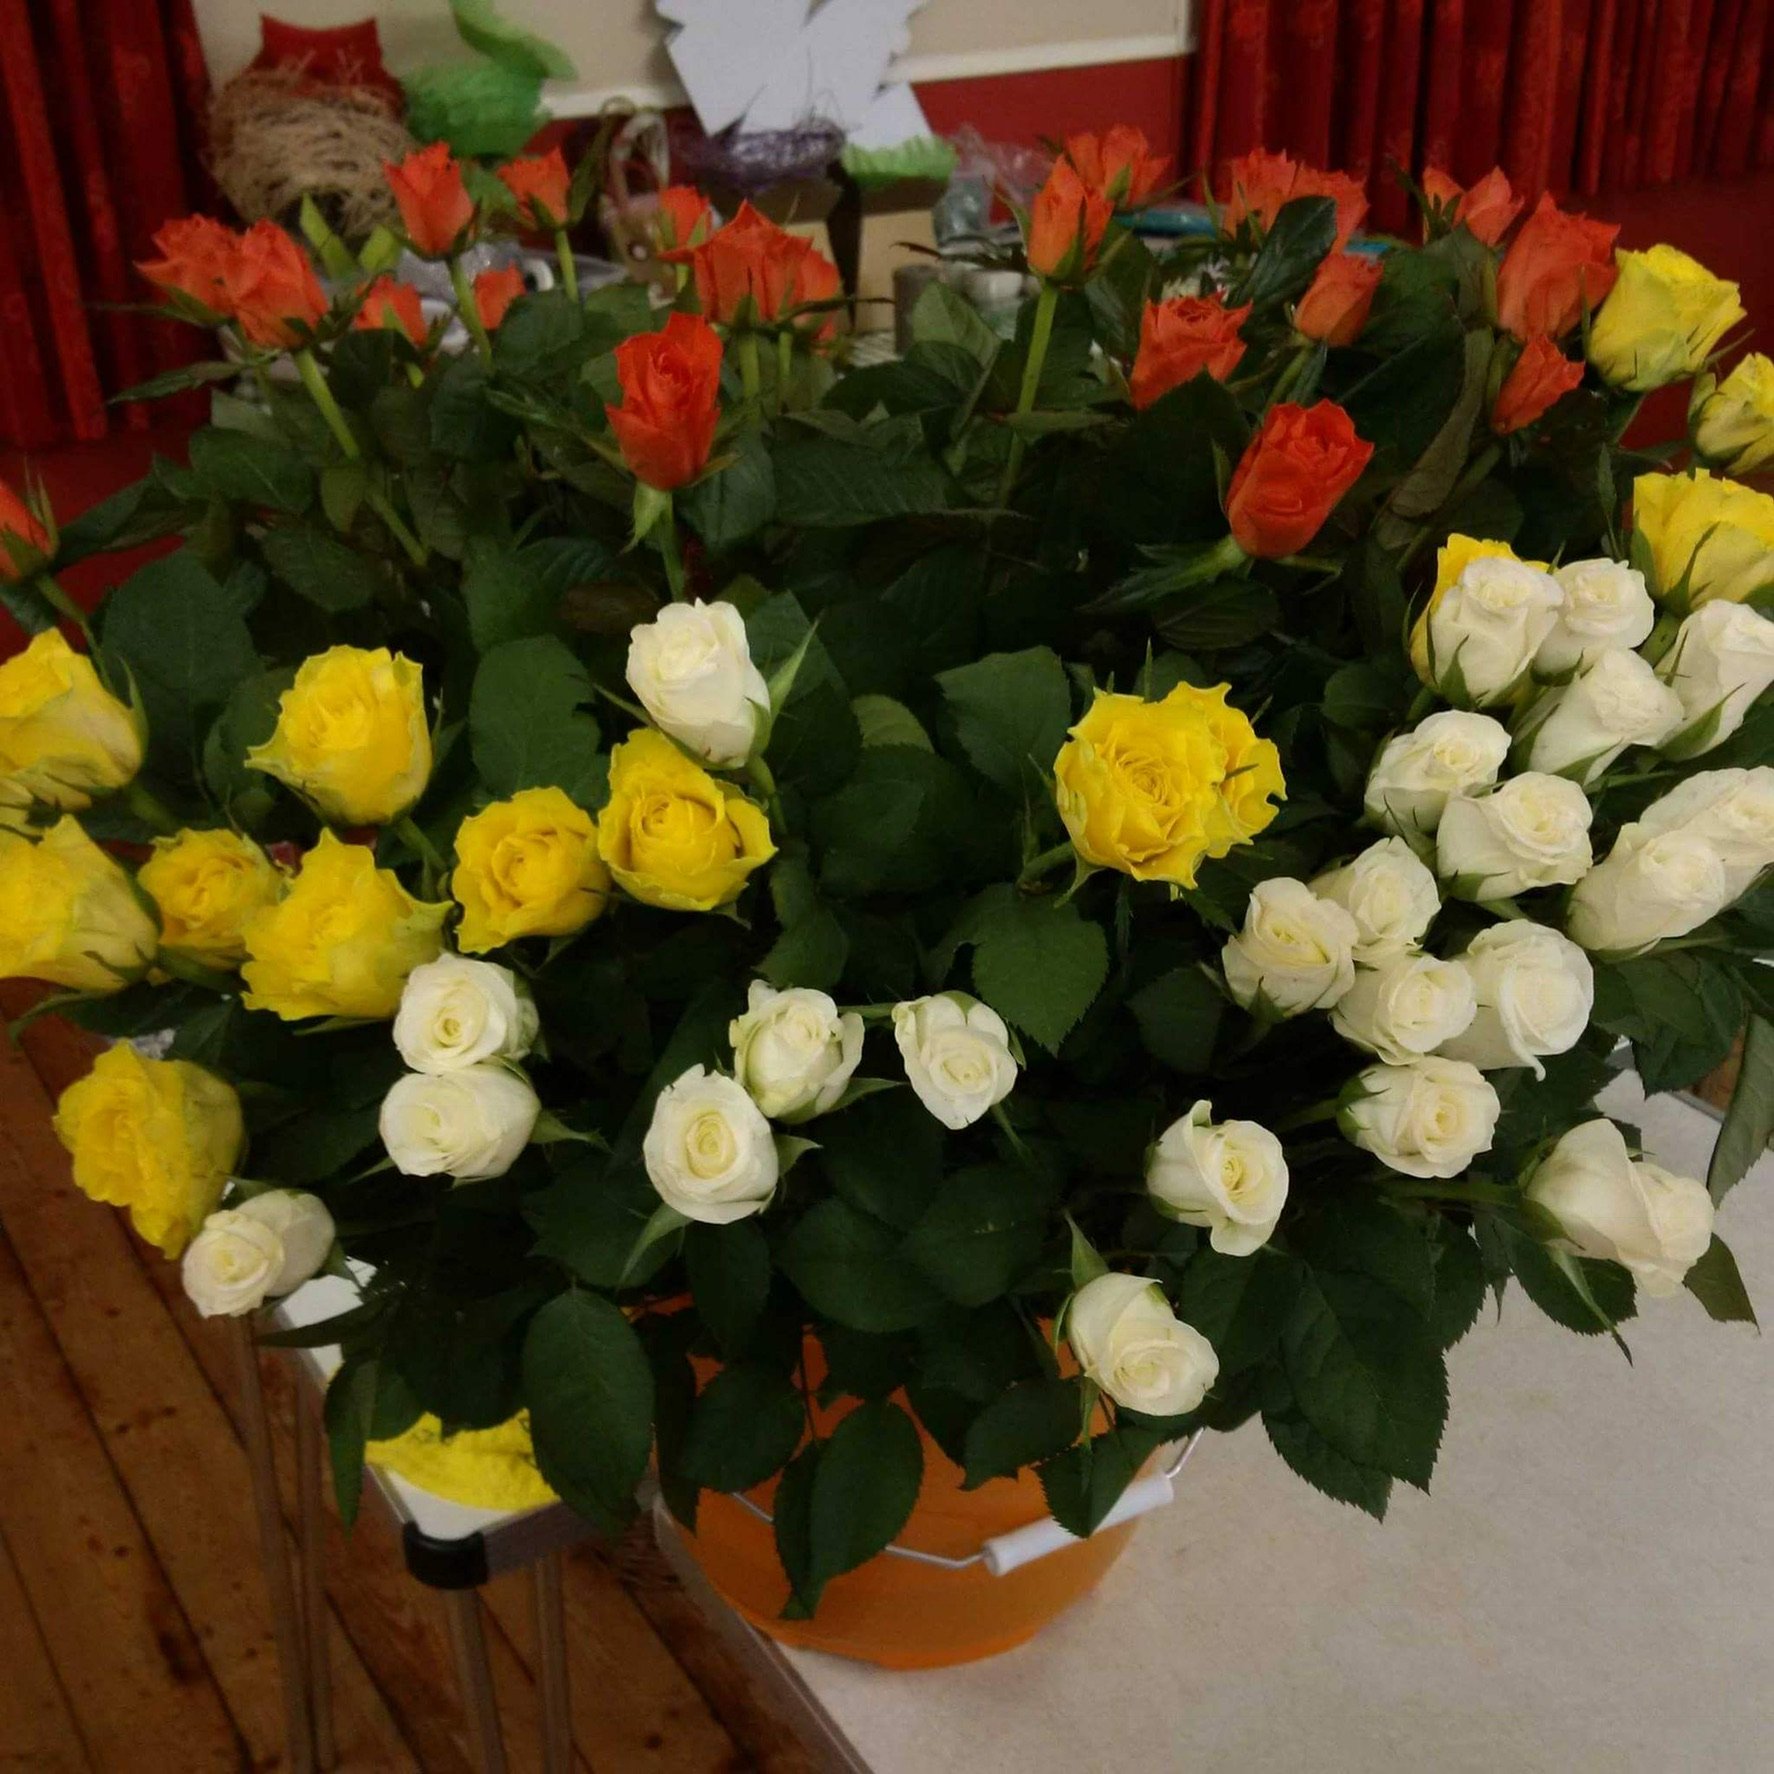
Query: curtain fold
pixel 100 107
pixel 1572 96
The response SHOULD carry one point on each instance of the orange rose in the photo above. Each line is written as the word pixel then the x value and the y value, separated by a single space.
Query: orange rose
pixel 1261 182
pixel 1300 463
pixel 494 292
pixel 435 208
pixel 1557 264
pixel 1542 376
pixel 389 303
pixel 195 253
pixel 1181 338
pixel 20 534
pixel 1334 309
pixel 540 183
pixel 270 287
pixel 751 271
pixel 671 401
pixel 683 217
pixel 1119 163
pixel 1485 210
pixel 818 281
pixel 1067 221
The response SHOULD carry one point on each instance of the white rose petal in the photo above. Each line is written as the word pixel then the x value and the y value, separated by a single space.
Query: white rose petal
pixel 709 1151
pixel 1531 831
pixel 957 1055
pixel 1722 660
pixel 793 1051
pixel 1610 1206
pixel 1229 1176
pixel 1605 605
pixel 691 669
pixel 1486 628
pixel 1428 1119
pixel 1389 893
pixel 469 1124
pixel 1535 990
pixel 1614 701
pixel 1450 753
pixel 304 1229
pixel 1406 1007
pixel 229 1266
pixel 1731 810
pixel 456 1012
pixel 1296 951
pixel 1132 1345
pixel 1648 890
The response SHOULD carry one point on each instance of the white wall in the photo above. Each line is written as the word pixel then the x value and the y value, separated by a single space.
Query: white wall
pixel 616 44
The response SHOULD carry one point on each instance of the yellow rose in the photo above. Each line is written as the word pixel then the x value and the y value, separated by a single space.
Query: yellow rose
pixel 69 914
pixel 527 867
pixel 1701 538
pixel 63 736
pixel 1661 320
pixel 341 941
pixel 1733 420
pixel 1153 788
pixel 352 736
pixel 672 835
pixel 206 885
pixel 159 1137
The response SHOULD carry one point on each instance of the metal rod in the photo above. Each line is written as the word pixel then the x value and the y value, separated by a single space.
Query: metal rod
pixel 481 1709
pixel 548 1592
pixel 273 1552
pixel 311 1561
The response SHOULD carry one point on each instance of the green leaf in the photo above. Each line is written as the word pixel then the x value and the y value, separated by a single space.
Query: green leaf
pixel 1179 1018
pixel 1011 712
pixel 1581 1294
pixel 1227 613
pixel 330 574
pixel 793 1510
pixel 1715 1282
pixel 884 1155
pixel 897 826
pixel 1038 962
pixel 1300 236
pixel 732 503
pixel 190 375
pixel 943 316
pixel 814 739
pixel 465 425
pixel 746 1424
pixel 1238 1303
pixel 1459 1284
pixel 590 1393
pixel 527 724
pixel 506 600
pixel 1749 1124
pixel 1371 1238
pixel 350 1401
pixel 482 28
pixel 984 1228
pixel 729 1270
pixel 851 1268
pixel 1085 1482
pixel 1031 1422
pixel 252 469
pixel 863 1491
pixel 1366 1374
pixel 883 721
pixel 1322 1467
pixel 827 483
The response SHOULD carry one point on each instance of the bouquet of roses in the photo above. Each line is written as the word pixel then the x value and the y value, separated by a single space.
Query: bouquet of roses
pixel 1055 891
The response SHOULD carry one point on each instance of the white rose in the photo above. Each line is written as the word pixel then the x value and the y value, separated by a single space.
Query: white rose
pixel 1487 627
pixel 1406 1007
pixel 1614 701
pixel 1731 810
pixel 1132 1345
pixel 957 1055
pixel 304 1229
pixel 1652 1222
pixel 1389 893
pixel 470 1124
pixel 691 670
pixel 1296 951
pixel 1722 660
pixel 1428 1119
pixel 709 1151
pixel 1648 890
pixel 1230 1177
pixel 266 1247
pixel 1606 606
pixel 1535 990
pixel 1532 831
pixel 1450 753
pixel 793 1051
pixel 455 1012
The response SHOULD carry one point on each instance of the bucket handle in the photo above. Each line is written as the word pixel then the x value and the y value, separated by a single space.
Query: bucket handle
pixel 1004 1553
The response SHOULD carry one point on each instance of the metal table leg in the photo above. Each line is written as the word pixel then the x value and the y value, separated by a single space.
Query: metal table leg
pixel 469 1641
pixel 551 1658
pixel 273 1553
pixel 311 1558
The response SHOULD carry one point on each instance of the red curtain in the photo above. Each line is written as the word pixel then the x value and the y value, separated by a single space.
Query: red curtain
pixel 100 107
pixel 1567 95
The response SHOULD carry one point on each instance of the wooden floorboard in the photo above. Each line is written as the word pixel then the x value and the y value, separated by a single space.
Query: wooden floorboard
pixel 134 1629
